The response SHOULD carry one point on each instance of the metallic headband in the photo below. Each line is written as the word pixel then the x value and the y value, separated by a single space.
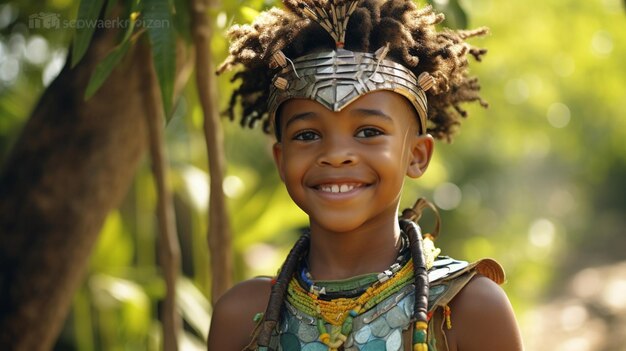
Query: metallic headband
pixel 338 77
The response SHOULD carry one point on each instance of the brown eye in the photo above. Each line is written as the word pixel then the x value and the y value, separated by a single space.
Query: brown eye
pixel 368 132
pixel 306 135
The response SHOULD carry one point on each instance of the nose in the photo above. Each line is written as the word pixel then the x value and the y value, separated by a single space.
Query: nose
pixel 336 152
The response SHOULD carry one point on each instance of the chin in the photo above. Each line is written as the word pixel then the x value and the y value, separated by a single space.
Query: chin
pixel 341 228
pixel 337 224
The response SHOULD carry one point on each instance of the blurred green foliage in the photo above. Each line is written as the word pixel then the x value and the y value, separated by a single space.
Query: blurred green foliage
pixel 535 181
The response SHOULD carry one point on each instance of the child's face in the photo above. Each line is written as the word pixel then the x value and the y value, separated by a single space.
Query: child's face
pixel 346 169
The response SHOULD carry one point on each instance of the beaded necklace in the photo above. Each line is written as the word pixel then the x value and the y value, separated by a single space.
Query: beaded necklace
pixel 340 312
pixel 356 286
pixel 338 307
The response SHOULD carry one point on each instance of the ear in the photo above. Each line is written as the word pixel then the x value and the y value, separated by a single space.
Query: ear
pixel 277 151
pixel 421 152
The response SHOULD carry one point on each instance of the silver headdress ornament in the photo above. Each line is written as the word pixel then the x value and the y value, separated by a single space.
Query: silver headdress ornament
pixel 338 77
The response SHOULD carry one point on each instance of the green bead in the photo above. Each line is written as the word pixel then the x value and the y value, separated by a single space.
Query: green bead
pixel 320 326
pixel 419 336
pixel 335 330
pixel 257 317
pixel 346 327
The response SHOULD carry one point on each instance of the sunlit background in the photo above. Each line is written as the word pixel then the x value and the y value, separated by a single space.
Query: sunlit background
pixel 537 181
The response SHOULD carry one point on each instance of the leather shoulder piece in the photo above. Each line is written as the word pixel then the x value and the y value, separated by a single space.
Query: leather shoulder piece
pixel 448 276
pixel 490 269
pixel 444 267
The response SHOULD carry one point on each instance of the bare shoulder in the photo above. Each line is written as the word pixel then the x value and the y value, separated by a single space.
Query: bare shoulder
pixel 483 319
pixel 232 320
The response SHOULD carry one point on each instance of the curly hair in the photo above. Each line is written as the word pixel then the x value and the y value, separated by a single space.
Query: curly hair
pixel 414 42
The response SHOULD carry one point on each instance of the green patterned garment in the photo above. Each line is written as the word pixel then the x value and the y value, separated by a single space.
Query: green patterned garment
pixel 378 329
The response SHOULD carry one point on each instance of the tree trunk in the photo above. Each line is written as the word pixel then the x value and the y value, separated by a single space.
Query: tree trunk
pixel 72 164
pixel 169 247
pixel 219 233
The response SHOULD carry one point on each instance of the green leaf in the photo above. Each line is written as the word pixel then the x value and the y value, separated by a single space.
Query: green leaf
pixel 130 7
pixel 182 19
pixel 458 13
pixel 157 20
pixel 110 5
pixel 456 17
pixel 104 68
pixel 88 12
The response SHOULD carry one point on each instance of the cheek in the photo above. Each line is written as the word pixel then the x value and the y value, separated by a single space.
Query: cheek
pixel 396 156
pixel 294 166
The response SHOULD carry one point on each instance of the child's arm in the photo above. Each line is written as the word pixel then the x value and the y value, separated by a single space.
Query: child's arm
pixel 483 319
pixel 232 320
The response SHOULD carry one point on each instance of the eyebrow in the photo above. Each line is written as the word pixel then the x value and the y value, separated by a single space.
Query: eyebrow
pixel 371 112
pixel 359 111
pixel 299 116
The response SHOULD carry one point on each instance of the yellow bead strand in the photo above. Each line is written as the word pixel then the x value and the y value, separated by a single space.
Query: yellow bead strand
pixel 336 312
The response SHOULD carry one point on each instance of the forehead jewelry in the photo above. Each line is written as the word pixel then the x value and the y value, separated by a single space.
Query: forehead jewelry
pixel 335 78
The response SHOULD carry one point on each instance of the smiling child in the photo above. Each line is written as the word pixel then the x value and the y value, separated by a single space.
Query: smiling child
pixel 355 93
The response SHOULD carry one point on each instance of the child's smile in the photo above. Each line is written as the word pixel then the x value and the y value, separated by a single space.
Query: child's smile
pixel 338 188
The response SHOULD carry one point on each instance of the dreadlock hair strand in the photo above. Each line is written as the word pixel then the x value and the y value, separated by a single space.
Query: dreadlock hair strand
pixel 420 308
pixel 271 316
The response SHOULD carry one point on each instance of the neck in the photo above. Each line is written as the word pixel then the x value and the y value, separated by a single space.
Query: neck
pixel 371 248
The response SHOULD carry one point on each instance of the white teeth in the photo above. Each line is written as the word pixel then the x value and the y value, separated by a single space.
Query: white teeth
pixel 336 188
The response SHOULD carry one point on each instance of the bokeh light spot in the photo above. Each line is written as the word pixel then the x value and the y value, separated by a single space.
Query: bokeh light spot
pixel 53 68
pixel 541 233
pixel 233 186
pixel 9 70
pixel 614 294
pixel 447 196
pixel 197 186
pixel 36 50
pixel 558 115
pixel 573 317
pixel 221 19
pixel 7 15
pixel 602 43
pixel 516 91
